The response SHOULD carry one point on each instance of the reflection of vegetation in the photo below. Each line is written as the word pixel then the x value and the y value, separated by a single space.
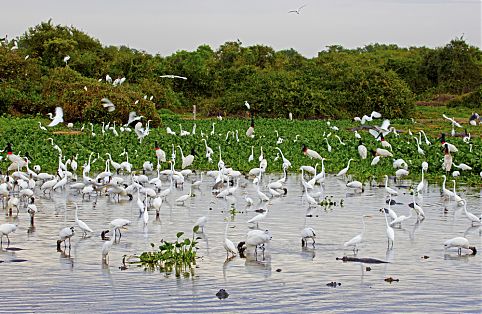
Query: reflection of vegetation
pixel 178 256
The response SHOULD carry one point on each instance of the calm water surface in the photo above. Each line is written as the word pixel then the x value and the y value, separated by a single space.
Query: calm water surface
pixel 51 281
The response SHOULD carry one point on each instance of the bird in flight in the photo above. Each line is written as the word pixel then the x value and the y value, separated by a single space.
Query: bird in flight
pixel 106 103
pixel 297 11
pixel 173 76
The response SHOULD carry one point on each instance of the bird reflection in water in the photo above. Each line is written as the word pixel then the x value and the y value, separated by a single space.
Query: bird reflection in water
pixel 65 258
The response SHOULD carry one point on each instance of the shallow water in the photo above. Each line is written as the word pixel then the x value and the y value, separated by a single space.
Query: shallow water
pixel 50 281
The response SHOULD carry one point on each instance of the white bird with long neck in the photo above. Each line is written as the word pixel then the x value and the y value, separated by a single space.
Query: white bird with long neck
pixel 419 149
pixel 474 219
pixel 390 232
pixel 186 160
pixel 420 185
pixel 427 142
pixel 343 171
pixel 286 162
pixel 228 244
pixel 263 197
pixel 82 225
pixel 251 157
pixel 328 146
pixel 457 198
pixel 398 221
pixel 259 217
pixel 201 223
pixel 209 150
pixel 59 117
pixel 356 239
pixel 446 192
pixel 388 189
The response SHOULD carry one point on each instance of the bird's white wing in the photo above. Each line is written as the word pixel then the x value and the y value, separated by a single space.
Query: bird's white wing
pixel 385 125
pixel 450 119
pixel 247 105
pixel 59 117
pixel 106 103
pixel 132 116
pixel 376 115
pixel 374 133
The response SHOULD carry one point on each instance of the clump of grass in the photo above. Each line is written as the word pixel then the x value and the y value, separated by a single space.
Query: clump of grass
pixel 178 256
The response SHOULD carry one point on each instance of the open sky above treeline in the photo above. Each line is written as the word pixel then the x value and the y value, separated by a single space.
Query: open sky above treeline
pixel 164 27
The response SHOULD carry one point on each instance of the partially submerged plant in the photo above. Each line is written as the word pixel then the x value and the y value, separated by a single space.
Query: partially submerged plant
pixel 178 256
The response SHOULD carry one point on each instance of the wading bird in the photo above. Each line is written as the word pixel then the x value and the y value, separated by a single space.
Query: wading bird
pixel 460 243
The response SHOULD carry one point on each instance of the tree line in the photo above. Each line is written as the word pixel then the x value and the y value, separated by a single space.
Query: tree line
pixel 36 76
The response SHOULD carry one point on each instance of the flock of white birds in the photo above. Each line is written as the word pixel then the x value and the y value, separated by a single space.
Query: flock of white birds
pixel 21 187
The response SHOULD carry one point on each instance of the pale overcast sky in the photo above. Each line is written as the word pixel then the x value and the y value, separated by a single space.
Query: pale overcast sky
pixel 165 27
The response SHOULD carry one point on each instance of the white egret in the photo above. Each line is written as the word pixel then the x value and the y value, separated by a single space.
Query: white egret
pixel 187 160
pixel 398 221
pixel 356 239
pixel 343 171
pixel 452 120
pixel 256 219
pixel 5 230
pixel 82 225
pixel 470 216
pixel 388 189
pixel 420 185
pixel 228 244
pixel 119 223
pixel 357 185
pixel 307 233
pixel 362 150
pixel 59 117
pixel 460 243
pixel 390 232
pixel 201 223
pixel 419 149
pixel 107 104
pixel 171 76
pixel 64 234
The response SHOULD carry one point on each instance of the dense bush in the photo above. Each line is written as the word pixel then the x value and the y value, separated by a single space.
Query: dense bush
pixel 337 83
pixel 471 100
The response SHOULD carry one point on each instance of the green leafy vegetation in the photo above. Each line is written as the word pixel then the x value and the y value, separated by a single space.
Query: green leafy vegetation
pixel 178 256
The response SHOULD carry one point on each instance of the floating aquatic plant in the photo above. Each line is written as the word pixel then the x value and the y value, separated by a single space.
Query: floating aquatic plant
pixel 178 256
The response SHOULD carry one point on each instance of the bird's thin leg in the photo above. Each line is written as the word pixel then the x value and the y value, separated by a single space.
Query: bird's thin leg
pixel 69 243
pixel 8 243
